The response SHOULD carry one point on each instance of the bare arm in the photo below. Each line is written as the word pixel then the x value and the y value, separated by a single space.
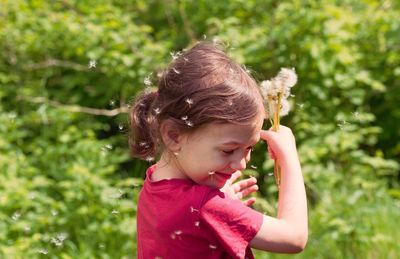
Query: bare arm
pixel 288 232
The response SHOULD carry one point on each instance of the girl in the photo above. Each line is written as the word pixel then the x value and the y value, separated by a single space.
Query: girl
pixel 203 122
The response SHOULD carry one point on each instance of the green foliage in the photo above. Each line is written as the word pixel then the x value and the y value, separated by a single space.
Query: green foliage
pixel 65 176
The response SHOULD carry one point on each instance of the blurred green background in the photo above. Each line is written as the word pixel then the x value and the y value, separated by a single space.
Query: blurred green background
pixel 69 69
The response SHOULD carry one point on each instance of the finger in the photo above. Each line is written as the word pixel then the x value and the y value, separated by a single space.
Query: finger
pixel 244 183
pixel 250 201
pixel 249 191
pixel 271 153
pixel 235 176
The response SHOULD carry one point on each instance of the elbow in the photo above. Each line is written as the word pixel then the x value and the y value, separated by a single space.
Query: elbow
pixel 299 244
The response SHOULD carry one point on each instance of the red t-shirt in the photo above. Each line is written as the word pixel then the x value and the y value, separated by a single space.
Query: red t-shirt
pixel 178 218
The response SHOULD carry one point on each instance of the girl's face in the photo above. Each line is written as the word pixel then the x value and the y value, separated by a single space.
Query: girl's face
pixel 212 154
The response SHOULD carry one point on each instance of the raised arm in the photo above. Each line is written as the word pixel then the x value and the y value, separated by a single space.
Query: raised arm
pixel 288 232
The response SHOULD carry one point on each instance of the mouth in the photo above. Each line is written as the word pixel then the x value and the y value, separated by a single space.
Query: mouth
pixel 224 176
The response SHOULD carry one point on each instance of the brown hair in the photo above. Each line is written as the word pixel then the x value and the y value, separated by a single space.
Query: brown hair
pixel 200 86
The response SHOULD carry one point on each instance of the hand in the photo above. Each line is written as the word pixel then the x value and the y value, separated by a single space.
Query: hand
pixel 240 189
pixel 281 144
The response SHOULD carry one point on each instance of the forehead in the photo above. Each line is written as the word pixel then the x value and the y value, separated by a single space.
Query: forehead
pixel 221 133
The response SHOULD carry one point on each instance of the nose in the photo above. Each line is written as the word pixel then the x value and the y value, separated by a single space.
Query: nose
pixel 240 164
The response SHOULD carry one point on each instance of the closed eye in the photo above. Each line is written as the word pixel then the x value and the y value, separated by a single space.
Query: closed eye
pixel 230 152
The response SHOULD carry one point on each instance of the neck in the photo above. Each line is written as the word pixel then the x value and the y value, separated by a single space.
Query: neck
pixel 168 168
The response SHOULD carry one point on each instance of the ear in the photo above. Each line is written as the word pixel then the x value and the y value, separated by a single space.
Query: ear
pixel 171 135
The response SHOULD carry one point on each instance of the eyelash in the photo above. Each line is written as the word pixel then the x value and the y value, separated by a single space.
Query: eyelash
pixel 230 152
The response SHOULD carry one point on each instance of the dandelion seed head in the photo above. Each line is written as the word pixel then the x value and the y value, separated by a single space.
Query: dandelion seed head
pixel 285 107
pixel 287 77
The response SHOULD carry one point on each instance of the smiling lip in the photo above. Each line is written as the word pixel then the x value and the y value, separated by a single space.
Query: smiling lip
pixel 223 175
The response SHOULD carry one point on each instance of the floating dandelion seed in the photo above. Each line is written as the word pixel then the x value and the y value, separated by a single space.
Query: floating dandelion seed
pixel 246 69
pixel 197 223
pixel 270 174
pixel 342 124
pixel 175 234
pixel 189 123
pixel 157 111
pixel 301 105
pixel 31 195
pixel 175 55
pixel 184 118
pixel 114 212
pixel 147 81
pixel 112 103
pixel 43 251
pixel 16 216
pixel 211 173
pixel 356 114
pixel 253 166
pixel 54 212
pixel 176 71
pixel 212 246
pixel 56 241
pixel 92 64
pixel 120 127
pixel 204 36
pixel 108 146
pixel 189 101
pixel 193 209
pixel 142 144
pixel 149 159
pixel 215 40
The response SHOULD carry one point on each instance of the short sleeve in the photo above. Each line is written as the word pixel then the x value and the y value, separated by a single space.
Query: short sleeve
pixel 234 224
